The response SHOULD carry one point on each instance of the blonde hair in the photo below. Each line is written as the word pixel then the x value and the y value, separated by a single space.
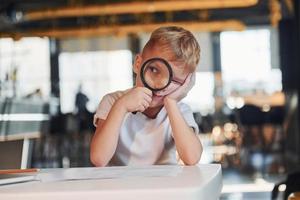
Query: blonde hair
pixel 180 41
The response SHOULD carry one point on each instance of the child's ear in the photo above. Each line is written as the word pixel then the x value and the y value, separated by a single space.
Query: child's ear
pixel 137 63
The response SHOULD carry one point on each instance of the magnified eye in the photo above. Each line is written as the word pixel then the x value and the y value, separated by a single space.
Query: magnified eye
pixel 156 74
pixel 153 69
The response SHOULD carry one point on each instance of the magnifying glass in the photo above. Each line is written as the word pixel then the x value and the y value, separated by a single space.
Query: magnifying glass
pixel 156 74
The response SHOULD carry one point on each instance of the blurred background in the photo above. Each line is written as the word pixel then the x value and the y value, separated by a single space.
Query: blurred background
pixel 59 58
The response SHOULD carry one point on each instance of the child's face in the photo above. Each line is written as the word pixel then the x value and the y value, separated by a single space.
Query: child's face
pixel 180 72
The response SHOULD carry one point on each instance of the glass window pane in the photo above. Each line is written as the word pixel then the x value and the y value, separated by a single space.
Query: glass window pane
pixel 98 72
pixel 26 61
pixel 246 62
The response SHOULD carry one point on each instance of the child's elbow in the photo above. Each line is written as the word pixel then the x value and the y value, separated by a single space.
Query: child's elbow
pixel 97 161
pixel 192 162
pixel 193 159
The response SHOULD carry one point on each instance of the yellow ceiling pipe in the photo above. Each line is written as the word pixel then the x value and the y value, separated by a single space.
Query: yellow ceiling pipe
pixel 118 30
pixel 136 7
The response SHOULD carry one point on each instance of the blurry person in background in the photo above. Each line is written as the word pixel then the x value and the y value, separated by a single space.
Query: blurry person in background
pixel 82 113
pixel 81 101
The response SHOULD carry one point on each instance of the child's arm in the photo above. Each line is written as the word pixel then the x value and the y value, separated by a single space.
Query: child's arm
pixel 187 143
pixel 105 139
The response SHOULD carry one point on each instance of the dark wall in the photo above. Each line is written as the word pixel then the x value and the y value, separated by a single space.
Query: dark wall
pixel 289 40
pixel 54 46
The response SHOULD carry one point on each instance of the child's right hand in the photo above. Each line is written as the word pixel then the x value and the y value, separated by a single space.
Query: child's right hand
pixel 136 99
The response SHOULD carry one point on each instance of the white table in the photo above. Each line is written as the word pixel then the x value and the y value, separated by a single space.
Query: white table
pixel 188 183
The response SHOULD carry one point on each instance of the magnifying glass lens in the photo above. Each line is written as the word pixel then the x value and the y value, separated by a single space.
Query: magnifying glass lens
pixel 156 74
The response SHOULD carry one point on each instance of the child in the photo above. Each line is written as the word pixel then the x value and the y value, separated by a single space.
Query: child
pixel 162 123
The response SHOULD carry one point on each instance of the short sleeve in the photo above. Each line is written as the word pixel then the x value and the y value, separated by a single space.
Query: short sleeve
pixel 103 108
pixel 188 116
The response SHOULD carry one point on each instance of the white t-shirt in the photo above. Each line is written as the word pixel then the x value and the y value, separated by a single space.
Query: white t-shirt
pixel 142 140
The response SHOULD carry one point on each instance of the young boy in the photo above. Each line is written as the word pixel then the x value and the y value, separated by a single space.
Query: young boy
pixel 162 123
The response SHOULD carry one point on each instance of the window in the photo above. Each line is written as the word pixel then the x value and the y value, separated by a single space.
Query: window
pixel 27 62
pixel 98 73
pixel 246 62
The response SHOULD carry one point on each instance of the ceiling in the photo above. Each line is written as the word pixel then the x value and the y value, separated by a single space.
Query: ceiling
pixel 74 18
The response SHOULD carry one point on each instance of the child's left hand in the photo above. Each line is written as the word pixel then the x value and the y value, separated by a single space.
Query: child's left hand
pixel 183 90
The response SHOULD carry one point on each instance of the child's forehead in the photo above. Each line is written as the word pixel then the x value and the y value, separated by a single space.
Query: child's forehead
pixel 156 51
pixel 165 53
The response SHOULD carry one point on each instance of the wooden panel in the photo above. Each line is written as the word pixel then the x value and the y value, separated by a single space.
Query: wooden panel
pixel 136 7
pixel 120 30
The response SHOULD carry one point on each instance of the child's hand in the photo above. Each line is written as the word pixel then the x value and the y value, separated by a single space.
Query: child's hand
pixel 136 99
pixel 182 91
